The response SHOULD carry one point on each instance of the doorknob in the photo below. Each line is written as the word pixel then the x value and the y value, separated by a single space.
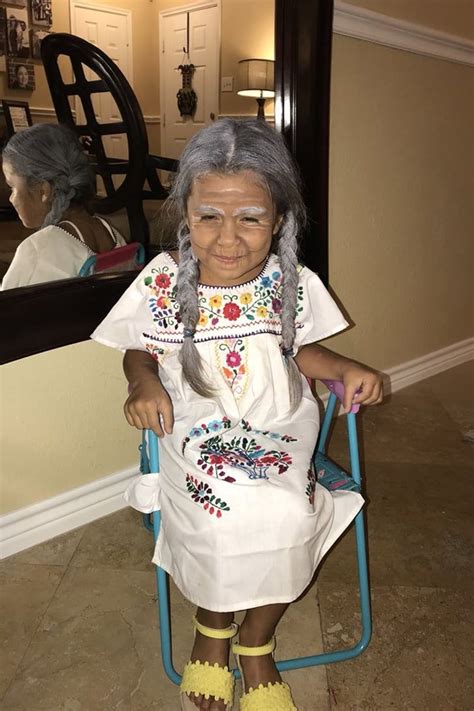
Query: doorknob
pixel 212 116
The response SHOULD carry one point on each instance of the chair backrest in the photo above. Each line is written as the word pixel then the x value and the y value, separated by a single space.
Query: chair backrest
pixel 131 124
pixel 121 259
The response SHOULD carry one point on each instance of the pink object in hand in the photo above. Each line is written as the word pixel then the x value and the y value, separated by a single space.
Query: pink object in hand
pixel 336 387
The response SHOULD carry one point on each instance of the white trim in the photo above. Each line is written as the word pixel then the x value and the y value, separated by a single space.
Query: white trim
pixel 401 376
pixel 35 524
pixel 190 8
pixel 375 27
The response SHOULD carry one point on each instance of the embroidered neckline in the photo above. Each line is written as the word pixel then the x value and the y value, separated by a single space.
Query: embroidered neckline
pixel 261 274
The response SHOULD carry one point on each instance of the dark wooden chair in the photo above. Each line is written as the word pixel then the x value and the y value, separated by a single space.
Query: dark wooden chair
pixel 140 168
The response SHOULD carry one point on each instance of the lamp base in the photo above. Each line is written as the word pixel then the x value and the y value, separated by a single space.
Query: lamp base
pixel 261 104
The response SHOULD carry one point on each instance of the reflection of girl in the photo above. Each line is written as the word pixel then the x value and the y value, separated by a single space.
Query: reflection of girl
pixel 51 184
pixel 22 79
pixel 220 337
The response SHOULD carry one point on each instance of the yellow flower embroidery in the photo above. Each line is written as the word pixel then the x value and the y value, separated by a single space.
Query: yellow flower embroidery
pixel 215 301
pixel 262 312
pixel 203 319
pixel 245 298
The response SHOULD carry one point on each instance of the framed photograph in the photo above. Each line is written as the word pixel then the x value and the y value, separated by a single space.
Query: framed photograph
pixel 3 39
pixel 18 33
pixel 17 116
pixel 21 75
pixel 36 37
pixel 41 12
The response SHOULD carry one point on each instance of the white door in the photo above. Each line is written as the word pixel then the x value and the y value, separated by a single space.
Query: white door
pixel 110 30
pixel 203 47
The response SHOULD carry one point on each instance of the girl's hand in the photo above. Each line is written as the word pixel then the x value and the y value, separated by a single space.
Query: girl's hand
pixel 362 386
pixel 149 407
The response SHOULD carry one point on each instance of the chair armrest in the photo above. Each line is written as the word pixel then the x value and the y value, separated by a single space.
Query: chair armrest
pixel 336 387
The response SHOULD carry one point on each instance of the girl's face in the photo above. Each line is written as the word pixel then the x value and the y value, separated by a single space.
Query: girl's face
pixel 31 203
pixel 232 221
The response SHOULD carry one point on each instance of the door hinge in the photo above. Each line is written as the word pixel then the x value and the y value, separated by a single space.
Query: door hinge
pixel 162 46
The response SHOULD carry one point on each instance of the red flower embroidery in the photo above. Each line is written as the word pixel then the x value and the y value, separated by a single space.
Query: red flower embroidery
pixel 233 359
pixel 163 281
pixel 232 311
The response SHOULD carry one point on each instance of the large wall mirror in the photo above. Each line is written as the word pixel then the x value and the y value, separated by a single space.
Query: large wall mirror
pixel 49 315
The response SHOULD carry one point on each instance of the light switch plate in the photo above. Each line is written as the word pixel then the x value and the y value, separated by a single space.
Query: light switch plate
pixel 227 83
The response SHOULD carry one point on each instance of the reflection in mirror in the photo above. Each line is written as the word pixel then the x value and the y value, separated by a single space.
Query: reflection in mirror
pixel 51 186
pixel 228 49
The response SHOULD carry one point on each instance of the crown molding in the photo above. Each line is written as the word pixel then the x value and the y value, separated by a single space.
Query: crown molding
pixel 362 24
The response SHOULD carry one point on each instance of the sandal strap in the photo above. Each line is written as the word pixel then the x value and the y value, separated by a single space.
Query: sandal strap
pixel 208 680
pixel 275 696
pixel 242 650
pixel 213 633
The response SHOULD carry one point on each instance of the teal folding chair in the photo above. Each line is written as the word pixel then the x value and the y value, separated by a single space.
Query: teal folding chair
pixel 329 475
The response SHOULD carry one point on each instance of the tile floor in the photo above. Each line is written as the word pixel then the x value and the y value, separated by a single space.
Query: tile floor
pixel 78 613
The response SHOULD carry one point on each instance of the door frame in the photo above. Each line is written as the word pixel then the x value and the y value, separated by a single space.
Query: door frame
pixel 177 11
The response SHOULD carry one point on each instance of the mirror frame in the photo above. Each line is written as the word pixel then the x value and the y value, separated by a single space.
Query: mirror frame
pixel 51 315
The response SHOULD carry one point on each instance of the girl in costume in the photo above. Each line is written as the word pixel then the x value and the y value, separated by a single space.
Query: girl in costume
pixel 220 338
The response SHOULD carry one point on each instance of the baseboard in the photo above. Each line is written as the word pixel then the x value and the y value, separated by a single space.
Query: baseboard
pixel 35 524
pixel 40 522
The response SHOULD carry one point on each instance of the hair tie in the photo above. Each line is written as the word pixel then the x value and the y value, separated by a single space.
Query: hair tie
pixel 188 333
pixel 288 352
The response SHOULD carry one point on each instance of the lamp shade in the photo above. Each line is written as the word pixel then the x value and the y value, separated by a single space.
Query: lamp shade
pixel 256 78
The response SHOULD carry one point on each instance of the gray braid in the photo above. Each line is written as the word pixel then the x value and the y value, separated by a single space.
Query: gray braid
pixel 287 251
pixel 187 294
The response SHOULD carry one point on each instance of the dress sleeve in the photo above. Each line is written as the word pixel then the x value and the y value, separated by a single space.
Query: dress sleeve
pixel 318 316
pixel 125 324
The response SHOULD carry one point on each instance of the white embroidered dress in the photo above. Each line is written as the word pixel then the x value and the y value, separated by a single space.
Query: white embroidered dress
pixel 244 522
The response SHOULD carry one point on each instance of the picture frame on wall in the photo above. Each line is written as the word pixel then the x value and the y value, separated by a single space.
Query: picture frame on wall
pixel 36 37
pixel 17 116
pixel 16 3
pixel 3 40
pixel 18 33
pixel 21 75
pixel 41 12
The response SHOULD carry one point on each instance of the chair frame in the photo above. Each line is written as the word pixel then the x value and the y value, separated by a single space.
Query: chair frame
pixel 149 462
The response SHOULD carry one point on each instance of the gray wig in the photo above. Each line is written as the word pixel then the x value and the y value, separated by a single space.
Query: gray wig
pixel 226 147
pixel 52 153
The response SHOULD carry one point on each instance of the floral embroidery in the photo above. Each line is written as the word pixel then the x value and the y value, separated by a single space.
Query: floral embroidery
pixel 231 311
pixel 162 299
pixel 263 302
pixel 311 487
pixel 231 357
pixel 274 435
pixel 243 453
pixel 211 427
pixel 155 351
pixel 201 493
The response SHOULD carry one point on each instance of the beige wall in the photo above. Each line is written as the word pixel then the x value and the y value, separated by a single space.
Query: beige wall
pixel 400 217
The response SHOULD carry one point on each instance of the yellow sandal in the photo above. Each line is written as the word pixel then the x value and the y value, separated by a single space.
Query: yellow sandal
pixel 274 695
pixel 208 679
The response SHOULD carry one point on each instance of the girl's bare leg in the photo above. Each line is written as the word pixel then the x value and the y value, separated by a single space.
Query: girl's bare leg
pixel 211 650
pixel 257 629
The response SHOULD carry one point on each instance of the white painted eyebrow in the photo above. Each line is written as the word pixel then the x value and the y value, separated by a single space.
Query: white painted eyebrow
pixel 251 210
pixel 209 208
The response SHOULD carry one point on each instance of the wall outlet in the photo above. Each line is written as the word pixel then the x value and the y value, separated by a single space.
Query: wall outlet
pixel 227 83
